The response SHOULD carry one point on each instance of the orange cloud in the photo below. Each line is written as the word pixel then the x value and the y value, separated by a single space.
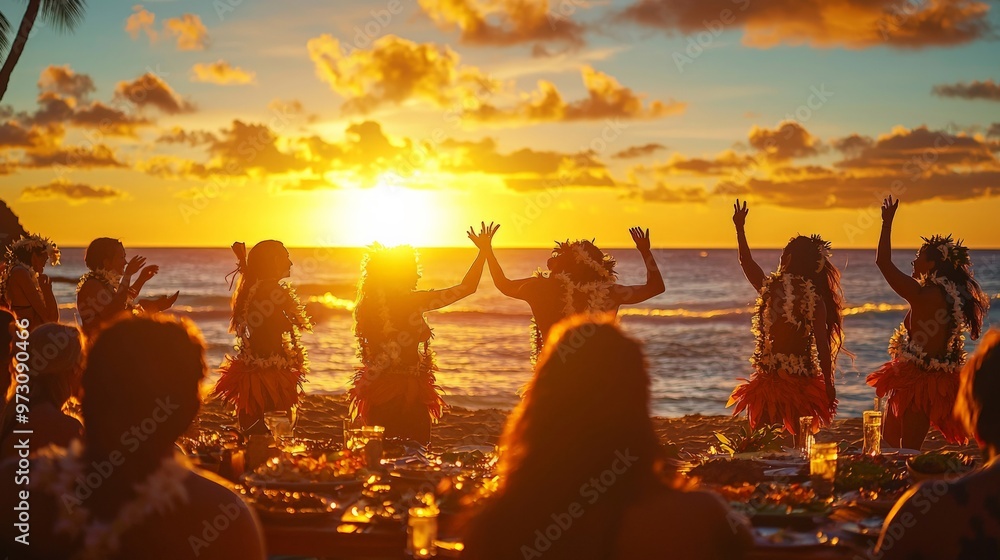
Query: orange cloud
pixel 853 24
pixel 606 99
pixel 190 32
pixel 222 73
pixel 13 135
pixel 639 151
pixel 393 71
pixel 64 81
pixel 73 192
pixel 789 140
pixel 506 22
pixel 141 21
pixel 81 157
pixel 975 90
pixel 150 90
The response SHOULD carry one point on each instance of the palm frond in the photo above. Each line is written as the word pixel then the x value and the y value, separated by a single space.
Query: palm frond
pixel 4 33
pixel 64 14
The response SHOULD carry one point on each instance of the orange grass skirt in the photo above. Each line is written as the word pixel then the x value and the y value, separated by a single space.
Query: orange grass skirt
pixel 912 388
pixel 782 398
pixel 256 390
pixel 411 390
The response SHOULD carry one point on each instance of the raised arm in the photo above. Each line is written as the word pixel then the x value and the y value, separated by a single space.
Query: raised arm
pixel 506 286
pixel 654 280
pixel 95 305
pixel 750 267
pixel 436 299
pixel 900 282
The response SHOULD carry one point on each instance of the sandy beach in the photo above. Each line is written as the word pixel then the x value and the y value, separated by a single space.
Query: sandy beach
pixel 321 416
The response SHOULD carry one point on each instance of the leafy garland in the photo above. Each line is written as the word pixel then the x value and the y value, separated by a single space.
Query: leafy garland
pixel 764 358
pixel 295 356
pixel 902 347
pixel 111 280
pixel 598 299
pixel 387 356
pixel 58 471
pixel 951 251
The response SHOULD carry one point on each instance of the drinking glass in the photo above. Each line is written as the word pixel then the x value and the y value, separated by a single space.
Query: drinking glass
pixel 872 432
pixel 823 468
pixel 421 531
pixel 279 424
pixel 806 438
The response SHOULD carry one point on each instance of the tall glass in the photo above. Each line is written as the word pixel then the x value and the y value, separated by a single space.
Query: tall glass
pixel 872 432
pixel 280 425
pixel 805 437
pixel 823 468
pixel 421 531
pixel 366 441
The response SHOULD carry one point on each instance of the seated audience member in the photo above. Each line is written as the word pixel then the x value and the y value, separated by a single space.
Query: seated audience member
pixel 124 493
pixel 579 454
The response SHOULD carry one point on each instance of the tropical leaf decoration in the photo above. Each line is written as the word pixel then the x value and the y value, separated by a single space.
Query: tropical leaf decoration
pixel 765 438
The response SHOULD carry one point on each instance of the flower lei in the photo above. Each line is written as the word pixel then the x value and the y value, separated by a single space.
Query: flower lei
pixel 951 251
pixel 58 472
pixel 111 281
pixel 295 356
pixel 387 355
pixel 764 358
pixel 598 298
pixel 35 243
pixel 902 347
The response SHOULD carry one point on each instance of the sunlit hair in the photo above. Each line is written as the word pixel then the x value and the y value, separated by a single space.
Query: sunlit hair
pixel 809 257
pixel 978 403
pixel 387 273
pixel 138 370
pixel 587 402
pixel 951 261
pixel 55 365
pixel 265 260
pixel 100 251
pixel 567 259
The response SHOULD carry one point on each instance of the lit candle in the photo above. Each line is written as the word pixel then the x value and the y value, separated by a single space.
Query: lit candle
pixel 823 467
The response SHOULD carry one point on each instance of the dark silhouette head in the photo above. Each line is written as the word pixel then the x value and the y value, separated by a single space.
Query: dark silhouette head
pixel 586 408
pixel 582 261
pixel 105 253
pixel 978 403
pixel 389 269
pixel 943 257
pixel 141 385
pixel 34 251
pixel 55 363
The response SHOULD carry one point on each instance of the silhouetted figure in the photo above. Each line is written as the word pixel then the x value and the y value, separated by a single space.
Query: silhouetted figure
pixel 798 331
pixel 105 292
pixel 928 349
pixel 581 472
pixel 124 493
pixel 580 279
pixel 961 518
pixel 26 289
pixel 270 364
pixel 54 370
pixel 7 329
pixel 395 386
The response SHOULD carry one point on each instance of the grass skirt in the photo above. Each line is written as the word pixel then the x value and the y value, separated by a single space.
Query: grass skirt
pixel 912 388
pixel 409 389
pixel 255 390
pixel 781 398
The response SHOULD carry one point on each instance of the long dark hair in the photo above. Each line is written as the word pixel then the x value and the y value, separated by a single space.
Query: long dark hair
pixel 809 258
pixel 957 267
pixel 587 405
pixel 250 268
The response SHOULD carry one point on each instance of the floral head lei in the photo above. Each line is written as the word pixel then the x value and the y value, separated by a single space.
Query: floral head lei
pixel 604 268
pixel 823 249
pixel 34 243
pixel 951 251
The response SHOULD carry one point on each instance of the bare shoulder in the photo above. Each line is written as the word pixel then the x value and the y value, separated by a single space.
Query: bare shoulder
pixel 222 523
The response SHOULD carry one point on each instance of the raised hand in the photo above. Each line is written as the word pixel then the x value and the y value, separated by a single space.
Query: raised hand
pixel 44 282
pixel 134 264
pixel 740 214
pixel 148 272
pixel 484 239
pixel 889 209
pixel 640 238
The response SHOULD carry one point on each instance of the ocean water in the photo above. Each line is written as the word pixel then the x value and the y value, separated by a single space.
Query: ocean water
pixel 697 334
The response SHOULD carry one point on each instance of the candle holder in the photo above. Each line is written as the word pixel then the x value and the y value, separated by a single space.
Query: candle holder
pixel 421 530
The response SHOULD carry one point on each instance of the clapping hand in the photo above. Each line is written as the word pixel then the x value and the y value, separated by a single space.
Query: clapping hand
pixel 484 239
pixel 889 209
pixel 134 264
pixel 740 214
pixel 148 272
pixel 640 238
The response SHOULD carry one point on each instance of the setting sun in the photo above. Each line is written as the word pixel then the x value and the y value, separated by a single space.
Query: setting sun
pixel 389 214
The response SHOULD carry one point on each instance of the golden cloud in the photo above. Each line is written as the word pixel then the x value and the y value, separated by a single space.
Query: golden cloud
pixel 790 140
pixel 73 192
pixel 222 73
pixel 149 90
pixel 141 21
pixel 507 22
pixel 633 152
pixel 63 80
pixel 190 32
pixel 853 24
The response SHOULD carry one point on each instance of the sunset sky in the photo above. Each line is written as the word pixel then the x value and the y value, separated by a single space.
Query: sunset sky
pixel 340 123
